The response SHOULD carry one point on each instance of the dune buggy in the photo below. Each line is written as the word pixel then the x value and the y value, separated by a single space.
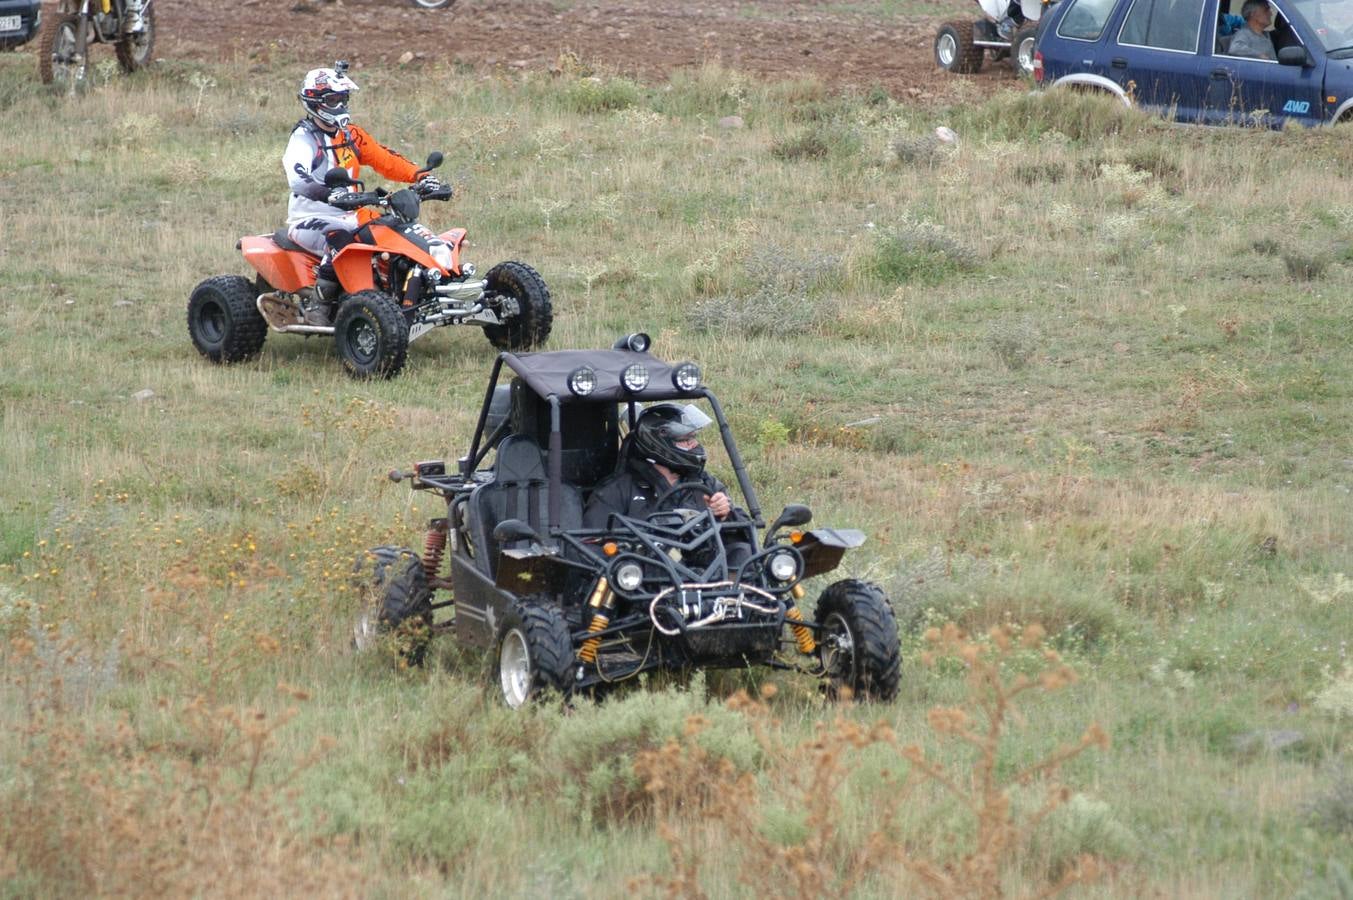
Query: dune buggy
pixel 561 607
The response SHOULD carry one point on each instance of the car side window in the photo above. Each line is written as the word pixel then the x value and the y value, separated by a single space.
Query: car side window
pixel 1085 20
pixel 1162 24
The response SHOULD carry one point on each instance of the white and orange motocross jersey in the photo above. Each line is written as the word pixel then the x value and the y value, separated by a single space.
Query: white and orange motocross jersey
pixel 311 153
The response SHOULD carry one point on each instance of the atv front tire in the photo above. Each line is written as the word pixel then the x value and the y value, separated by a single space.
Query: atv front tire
pixel 134 50
pixel 858 643
pixel 224 321
pixel 401 602
pixel 534 651
pixel 372 335
pixel 955 50
pixel 521 286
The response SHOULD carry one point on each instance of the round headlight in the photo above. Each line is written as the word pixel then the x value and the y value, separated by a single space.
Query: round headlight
pixel 638 342
pixel 635 377
pixel 629 577
pixel 783 566
pixel 686 377
pixel 582 381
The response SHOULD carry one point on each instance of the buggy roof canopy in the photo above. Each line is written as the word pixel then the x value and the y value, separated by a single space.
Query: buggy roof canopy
pixel 547 373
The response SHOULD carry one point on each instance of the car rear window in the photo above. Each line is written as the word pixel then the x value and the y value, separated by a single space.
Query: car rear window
pixel 1085 20
pixel 1163 24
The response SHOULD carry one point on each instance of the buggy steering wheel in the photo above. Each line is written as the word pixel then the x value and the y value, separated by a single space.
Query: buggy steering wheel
pixel 700 486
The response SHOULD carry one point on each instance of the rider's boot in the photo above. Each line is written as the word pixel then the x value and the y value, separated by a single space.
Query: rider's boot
pixel 135 21
pixel 1005 28
pixel 326 281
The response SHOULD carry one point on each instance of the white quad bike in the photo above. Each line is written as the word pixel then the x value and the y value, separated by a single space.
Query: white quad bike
pixel 1009 30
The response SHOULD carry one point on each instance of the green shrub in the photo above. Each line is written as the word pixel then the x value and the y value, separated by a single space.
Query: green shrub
pixel 596 95
pixel 912 252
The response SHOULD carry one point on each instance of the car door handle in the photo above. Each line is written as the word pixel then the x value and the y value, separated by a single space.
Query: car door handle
pixel 1221 74
pixel 1118 62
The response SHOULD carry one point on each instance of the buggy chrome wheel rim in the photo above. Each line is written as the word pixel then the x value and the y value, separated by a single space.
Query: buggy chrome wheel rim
pixel 838 649
pixel 514 668
pixel 947 50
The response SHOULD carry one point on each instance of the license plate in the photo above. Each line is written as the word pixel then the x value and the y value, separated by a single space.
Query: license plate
pixel 10 23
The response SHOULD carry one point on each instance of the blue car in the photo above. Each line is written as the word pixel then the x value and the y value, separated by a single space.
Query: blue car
pixel 1200 61
pixel 19 20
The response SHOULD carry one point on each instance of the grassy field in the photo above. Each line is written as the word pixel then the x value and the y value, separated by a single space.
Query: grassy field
pixel 1080 369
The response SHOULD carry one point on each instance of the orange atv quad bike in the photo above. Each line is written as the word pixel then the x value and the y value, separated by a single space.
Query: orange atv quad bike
pixel 399 281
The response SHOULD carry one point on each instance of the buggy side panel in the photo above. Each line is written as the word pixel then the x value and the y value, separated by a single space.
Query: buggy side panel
pixel 479 605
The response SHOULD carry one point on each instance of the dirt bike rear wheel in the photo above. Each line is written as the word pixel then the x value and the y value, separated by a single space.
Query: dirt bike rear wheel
pixel 530 326
pixel 60 59
pixel 223 320
pixel 134 50
pixel 372 335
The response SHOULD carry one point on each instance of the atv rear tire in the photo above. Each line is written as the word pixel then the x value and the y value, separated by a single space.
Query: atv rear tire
pixel 402 602
pixel 134 50
pixel 531 324
pixel 858 643
pixel 1022 50
pixel 372 335
pixel 58 33
pixel 224 321
pixel 955 50
pixel 533 652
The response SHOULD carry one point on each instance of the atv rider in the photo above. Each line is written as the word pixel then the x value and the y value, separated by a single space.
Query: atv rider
pixel 660 451
pixel 326 139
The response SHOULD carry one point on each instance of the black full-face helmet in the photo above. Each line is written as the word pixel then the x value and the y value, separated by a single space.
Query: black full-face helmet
pixel 660 430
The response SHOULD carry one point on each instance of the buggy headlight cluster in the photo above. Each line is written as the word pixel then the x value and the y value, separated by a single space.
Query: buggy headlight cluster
pixel 635 377
pixel 582 381
pixel 628 577
pixel 783 566
pixel 686 377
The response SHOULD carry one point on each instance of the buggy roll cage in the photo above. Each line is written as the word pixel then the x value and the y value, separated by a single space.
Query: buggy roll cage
pixel 532 379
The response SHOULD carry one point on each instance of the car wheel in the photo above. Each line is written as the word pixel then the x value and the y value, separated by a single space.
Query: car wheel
pixel 372 335
pixel 858 643
pixel 223 320
pixel 534 652
pixel 955 50
pixel 397 602
pixel 1022 50
pixel 528 314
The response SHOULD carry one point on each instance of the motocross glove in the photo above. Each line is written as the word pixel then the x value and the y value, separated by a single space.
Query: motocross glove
pixel 429 183
pixel 337 196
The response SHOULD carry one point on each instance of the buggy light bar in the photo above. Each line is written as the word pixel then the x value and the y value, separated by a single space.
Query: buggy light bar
pixel 686 377
pixel 638 342
pixel 635 377
pixel 582 381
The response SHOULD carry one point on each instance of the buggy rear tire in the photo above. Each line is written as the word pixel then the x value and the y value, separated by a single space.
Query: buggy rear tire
pixel 534 652
pixel 955 50
pixel 134 51
pixel 223 320
pixel 1022 50
pixel 858 643
pixel 399 602
pixel 372 335
pixel 522 285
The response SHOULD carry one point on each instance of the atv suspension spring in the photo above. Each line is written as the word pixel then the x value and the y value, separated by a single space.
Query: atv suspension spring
pixel 434 545
pixel 600 601
pixel 802 633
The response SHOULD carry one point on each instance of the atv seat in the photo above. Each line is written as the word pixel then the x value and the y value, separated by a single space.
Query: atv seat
pixel 519 490
pixel 281 237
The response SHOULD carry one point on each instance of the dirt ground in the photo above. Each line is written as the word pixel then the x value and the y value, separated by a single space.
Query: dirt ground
pixel 846 46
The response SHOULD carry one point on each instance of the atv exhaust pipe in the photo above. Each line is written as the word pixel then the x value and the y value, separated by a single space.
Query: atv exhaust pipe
pixel 461 291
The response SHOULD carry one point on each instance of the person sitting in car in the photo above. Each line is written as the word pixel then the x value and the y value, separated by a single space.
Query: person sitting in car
pixel 1253 41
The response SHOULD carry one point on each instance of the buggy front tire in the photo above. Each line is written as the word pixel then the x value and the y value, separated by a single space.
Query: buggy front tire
pixel 372 335
pixel 528 312
pixel 858 642
pixel 223 320
pixel 533 652
pixel 397 602
pixel 955 50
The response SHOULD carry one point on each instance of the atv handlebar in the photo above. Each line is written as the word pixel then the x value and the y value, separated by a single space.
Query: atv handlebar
pixel 381 197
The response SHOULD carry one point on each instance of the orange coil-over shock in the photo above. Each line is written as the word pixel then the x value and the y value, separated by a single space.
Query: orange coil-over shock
pixel 434 545
pixel 802 633
pixel 600 601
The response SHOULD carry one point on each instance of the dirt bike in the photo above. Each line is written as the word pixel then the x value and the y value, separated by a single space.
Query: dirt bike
pixel 398 281
pixel 70 29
